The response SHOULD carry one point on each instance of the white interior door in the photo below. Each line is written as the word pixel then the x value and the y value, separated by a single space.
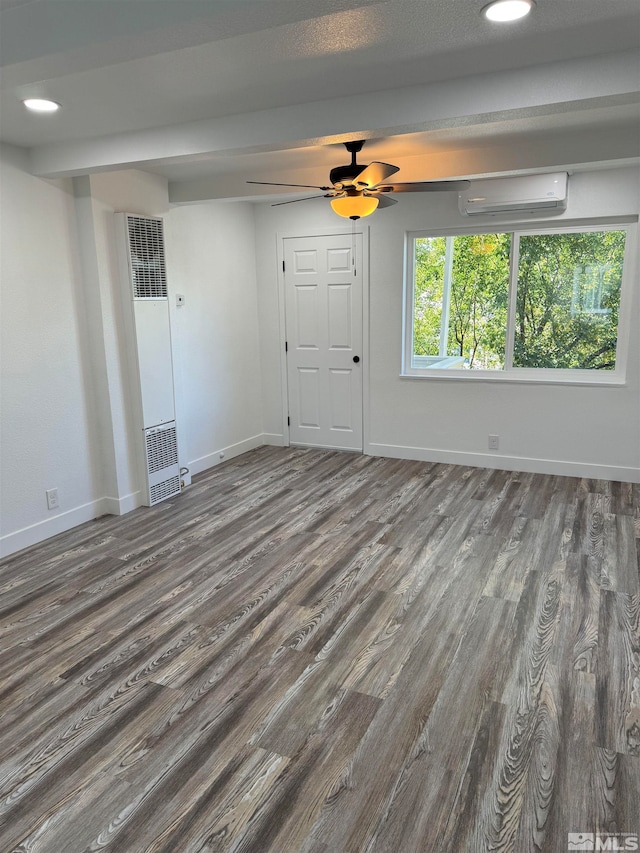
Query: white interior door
pixel 323 293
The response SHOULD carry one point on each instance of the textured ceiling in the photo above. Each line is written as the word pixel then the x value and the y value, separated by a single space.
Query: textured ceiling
pixel 165 68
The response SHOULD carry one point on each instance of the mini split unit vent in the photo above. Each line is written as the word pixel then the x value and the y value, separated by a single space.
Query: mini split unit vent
pixel 526 194
pixel 141 249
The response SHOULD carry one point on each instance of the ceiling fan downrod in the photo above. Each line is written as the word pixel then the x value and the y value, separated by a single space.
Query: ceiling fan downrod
pixel 341 175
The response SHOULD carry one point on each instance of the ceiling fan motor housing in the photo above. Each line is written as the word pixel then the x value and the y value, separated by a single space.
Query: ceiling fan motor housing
pixel 345 174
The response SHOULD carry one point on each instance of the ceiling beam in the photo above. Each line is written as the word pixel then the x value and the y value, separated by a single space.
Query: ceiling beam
pixel 572 150
pixel 571 85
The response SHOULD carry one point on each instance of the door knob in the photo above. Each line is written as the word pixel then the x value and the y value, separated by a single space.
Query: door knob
pixel 356 358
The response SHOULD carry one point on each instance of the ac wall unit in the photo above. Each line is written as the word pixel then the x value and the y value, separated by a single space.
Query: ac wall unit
pixel 143 270
pixel 525 194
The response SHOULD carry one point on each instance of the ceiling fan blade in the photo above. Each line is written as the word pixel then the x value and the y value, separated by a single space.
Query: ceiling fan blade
pixel 294 200
pixel 383 200
pixel 424 187
pixel 374 174
pixel 304 186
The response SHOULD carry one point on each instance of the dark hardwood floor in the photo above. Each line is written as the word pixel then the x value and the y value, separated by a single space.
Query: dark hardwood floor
pixel 329 653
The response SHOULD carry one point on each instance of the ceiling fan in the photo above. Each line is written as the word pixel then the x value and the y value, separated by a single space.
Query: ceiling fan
pixel 357 190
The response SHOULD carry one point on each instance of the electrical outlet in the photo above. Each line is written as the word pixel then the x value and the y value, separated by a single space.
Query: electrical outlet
pixel 494 442
pixel 53 501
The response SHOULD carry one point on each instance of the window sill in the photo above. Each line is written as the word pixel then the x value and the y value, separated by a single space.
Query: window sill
pixel 517 378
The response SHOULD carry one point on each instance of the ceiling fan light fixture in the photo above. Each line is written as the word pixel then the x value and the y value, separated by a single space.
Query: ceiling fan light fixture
pixel 354 206
pixel 357 190
pixel 502 11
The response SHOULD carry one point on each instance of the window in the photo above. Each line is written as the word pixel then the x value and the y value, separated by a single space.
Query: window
pixel 513 304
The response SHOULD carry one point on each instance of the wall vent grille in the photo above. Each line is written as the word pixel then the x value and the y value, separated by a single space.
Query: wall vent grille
pixel 162 449
pixel 163 469
pixel 165 489
pixel 146 246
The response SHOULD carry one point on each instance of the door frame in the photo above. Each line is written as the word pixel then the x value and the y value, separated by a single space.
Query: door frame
pixel 281 236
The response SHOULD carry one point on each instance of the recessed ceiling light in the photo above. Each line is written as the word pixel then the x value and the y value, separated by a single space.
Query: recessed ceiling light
pixel 41 105
pixel 507 10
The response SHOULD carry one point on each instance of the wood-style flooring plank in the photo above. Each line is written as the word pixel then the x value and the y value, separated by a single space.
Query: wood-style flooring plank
pixel 317 652
pixel 618 673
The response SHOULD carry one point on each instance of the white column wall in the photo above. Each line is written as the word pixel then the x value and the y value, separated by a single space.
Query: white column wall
pixel 130 191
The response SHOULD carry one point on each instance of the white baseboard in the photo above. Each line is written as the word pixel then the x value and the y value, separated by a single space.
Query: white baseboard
pixel 45 529
pixel 60 523
pixel 506 463
pixel 273 438
pixel 224 453
pixel 121 506
pixel 49 527
pixel 304 444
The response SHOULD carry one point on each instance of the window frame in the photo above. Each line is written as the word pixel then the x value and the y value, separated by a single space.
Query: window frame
pixel 546 375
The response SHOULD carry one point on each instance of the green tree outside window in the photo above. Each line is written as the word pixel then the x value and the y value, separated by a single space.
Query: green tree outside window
pixel 567 299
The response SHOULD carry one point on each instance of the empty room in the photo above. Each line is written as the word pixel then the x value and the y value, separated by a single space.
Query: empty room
pixel 319 426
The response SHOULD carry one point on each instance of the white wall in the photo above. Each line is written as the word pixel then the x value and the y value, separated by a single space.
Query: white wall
pixel 66 414
pixel 47 429
pixel 211 261
pixel 567 429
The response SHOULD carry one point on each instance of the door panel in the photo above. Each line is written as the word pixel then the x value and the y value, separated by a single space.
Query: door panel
pixel 340 320
pixel 306 261
pixel 324 333
pixel 340 393
pixel 309 398
pixel 339 260
pixel 307 316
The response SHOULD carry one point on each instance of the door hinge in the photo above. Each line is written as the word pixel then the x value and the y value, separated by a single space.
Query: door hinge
pixel 288 421
pixel 286 346
pixel 283 266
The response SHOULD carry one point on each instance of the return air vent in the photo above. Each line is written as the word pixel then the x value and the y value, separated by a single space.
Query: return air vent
pixel 146 247
pixel 163 469
pixel 163 490
pixel 162 448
